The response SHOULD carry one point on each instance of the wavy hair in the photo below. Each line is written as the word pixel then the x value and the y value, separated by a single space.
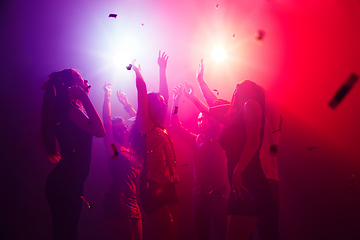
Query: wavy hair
pixel 259 96
pixel 54 106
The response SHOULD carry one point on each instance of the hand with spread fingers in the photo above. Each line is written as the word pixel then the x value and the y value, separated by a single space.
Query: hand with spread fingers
pixel 162 59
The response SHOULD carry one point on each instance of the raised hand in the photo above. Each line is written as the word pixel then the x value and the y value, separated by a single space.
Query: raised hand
pixel 107 88
pixel 189 91
pixel 122 98
pixel 177 94
pixel 162 59
pixel 200 71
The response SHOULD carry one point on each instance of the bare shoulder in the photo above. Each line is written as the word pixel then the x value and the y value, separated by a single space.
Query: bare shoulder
pixel 252 109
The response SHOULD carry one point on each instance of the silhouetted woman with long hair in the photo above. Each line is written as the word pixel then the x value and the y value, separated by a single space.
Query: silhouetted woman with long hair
pixel 242 139
pixel 66 134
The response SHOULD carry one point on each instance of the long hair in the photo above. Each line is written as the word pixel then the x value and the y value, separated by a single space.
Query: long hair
pixel 259 96
pixel 54 105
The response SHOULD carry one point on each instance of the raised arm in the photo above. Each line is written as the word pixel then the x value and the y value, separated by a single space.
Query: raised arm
pixel 144 123
pixel 163 86
pixel 209 95
pixel 252 118
pixel 124 101
pixel 91 123
pixel 189 93
pixel 176 125
pixel 106 115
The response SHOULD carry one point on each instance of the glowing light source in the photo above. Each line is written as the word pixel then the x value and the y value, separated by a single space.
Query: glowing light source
pixel 127 51
pixel 219 54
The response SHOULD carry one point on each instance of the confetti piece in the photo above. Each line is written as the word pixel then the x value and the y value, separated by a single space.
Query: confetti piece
pixel 217 92
pixel 352 181
pixel 129 67
pixel 184 165
pixel 176 110
pixel 113 15
pixel 234 36
pixel 273 150
pixel 87 202
pixel 312 148
pixel 89 123
pixel 260 36
pixel 277 130
pixel 116 153
pixel 211 190
pixel 343 91
pixel 142 24
pixel 217 6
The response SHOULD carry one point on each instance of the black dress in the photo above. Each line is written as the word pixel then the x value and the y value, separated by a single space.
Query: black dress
pixel 64 185
pixel 233 140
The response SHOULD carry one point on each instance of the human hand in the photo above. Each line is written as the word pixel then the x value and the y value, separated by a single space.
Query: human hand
pixel 200 71
pixel 189 91
pixel 137 69
pixel 162 59
pixel 76 92
pixel 237 185
pixel 122 98
pixel 107 88
pixel 177 94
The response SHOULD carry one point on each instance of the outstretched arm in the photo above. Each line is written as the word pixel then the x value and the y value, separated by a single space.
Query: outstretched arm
pixel 144 123
pixel 176 125
pixel 209 96
pixel 189 93
pixel 163 87
pixel 106 115
pixel 124 101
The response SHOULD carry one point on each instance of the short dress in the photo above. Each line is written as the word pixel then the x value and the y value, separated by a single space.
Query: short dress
pixel 159 174
pixel 120 201
pixel 254 203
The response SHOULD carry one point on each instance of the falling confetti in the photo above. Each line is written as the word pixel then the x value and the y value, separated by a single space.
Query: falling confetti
pixel 142 24
pixel 211 190
pixel 129 67
pixel 234 36
pixel 260 36
pixel 176 110
pixel 217 6
pixel 87 202
pixel 343 91
pixel 217 92
pixel 116 153
pixel 113 15
pixel 184 165
pixel 312 148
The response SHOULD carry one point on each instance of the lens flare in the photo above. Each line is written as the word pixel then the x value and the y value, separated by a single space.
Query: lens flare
pixel 219 54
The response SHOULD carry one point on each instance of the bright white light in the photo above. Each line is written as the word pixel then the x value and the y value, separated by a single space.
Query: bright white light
pixel 219 54
pixel 126 52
